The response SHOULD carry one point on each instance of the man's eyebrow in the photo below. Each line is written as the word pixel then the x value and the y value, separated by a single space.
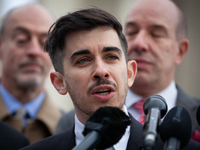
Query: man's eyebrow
pixel 22 29
pixel 80 52
pixel 131 24
pixel 112 48
pixel 86 51
pixel 25 30
pixel 160 27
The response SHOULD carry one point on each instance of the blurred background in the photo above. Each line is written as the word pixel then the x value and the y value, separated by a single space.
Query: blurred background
pixel 187 74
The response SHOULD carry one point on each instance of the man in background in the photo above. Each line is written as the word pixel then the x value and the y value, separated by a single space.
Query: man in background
pixel 24 104
pixel 156 32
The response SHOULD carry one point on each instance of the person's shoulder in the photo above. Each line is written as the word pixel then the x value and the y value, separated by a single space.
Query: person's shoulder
pixel 66 121
pixel 70 113
pixel 68 117
pixel 11 138
pixel 192 145
pixel 183 96
pixel 59 141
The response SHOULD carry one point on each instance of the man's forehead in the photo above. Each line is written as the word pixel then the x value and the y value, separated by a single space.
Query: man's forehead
pixel 31 14
pixel 152 16
pixel 15 22
pixel 158 8
pixel 97 38
pixel 25 28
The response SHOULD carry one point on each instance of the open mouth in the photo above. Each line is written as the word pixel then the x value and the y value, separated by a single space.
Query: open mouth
pixel 103 91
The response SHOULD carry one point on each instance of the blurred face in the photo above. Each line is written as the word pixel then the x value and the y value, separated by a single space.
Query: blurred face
pixel 95 70
pixel 24 61
pixel 150 30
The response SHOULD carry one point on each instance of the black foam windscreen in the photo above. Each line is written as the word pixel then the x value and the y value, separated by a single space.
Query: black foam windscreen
pixel 198 115
pixel 177 124
pixel 110 122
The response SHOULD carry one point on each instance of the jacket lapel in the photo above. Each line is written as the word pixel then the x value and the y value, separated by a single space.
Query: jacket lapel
pixel 182 100
pixel 136 135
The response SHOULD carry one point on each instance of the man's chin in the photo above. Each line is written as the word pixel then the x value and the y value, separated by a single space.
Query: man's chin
pixel 142 78
pixel 30 82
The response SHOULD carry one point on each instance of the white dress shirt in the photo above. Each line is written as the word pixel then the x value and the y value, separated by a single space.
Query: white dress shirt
pixel 169 94
pixel 121 145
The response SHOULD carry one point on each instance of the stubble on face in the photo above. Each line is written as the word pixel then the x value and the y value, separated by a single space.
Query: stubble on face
pixel 31 77
pixel 80 102
pixel 29 80
pixel 84 80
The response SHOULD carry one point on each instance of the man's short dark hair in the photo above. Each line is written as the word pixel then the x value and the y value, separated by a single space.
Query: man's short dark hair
pixel 85 19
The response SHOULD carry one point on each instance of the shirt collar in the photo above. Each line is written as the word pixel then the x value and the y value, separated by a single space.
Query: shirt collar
pixel 13 104
pixel 131 98
pixel 122 144
pixel 169 94
pixel 34 105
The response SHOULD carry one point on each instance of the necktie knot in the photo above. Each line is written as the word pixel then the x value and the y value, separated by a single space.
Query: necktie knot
pixel 138 106
pixel 20 113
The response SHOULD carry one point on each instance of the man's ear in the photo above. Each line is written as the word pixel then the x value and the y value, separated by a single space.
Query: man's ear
pixel 132 71
pixel 183 48
pixel 58 82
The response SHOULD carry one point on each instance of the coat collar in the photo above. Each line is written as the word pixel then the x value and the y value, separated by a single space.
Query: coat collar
pixel 48 113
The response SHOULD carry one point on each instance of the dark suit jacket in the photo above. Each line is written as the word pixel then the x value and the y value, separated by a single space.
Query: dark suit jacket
pixel 65 122
pixel 10 139
pixel 191 104
pixel 66 140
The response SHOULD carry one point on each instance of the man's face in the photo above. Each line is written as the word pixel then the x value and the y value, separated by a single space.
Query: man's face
pixel 24 61
pixel 151 34
pixel 95 70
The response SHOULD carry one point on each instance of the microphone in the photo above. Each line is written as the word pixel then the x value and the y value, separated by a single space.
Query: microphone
pixel 154 108
pixel 198 115
pixel 104 128
pixel 176 129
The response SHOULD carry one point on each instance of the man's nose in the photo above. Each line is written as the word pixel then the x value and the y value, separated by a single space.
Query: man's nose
pixel 100 71
pixel 34 48
pixel 139 43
